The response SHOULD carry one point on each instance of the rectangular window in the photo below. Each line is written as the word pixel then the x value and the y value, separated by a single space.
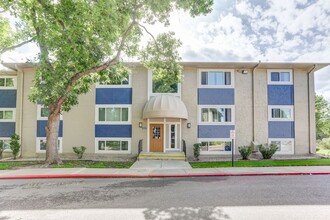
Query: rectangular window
pixel 216 78
pixel 41 145
pixel 113 114
pixel 160 86
pixel 119 81
pixel 280 113
pixel 285 146
pixel 43 113
pixel 113 146
pixel 216 115
pixel 7 82
pixel 7 115
pixel 6 143
pixel 215 146
pixel 279 77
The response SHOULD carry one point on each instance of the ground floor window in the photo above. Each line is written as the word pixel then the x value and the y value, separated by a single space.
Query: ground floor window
pixel 6 143
pixel 285 146
pixel 7 114
pixel 112 145
pixel 215 146
pixel 41 145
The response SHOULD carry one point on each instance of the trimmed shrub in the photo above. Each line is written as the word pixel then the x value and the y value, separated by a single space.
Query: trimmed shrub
pixel 14 145
pixel 79 151
pixel 245 152
pixel 197 150
pixel 267 151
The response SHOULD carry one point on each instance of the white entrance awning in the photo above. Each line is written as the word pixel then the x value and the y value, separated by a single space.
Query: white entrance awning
pixel 165 106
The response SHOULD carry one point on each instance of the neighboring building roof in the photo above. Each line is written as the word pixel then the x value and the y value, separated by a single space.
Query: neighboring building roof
pixel 234 65
pixel 165 106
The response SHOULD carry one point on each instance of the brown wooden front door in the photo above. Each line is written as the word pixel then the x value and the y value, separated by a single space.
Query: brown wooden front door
pixel 156 138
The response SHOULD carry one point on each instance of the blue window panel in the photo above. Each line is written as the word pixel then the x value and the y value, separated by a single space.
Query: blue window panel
pixel 8 98
pixel 280 95
pixel 220 96
pixel 215 131
pixel 7 129
pixel 113 131
pixel 41 132
pixel 275 76
pixel 114 96
pixel 281 129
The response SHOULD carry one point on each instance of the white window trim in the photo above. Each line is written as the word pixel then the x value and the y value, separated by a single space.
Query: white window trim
pixel 14 80
pixel 200 140
pixel 6 139
pixel 44 138
pixel 113 122
pixel 39 118
pixel 270 107
pixel 151 94
pixel 176 147
pixel 270 82
pixel 14 114
pixel 232 107
pixel 129 140
pixel 129 85
pixel 232 76
pixel 283 139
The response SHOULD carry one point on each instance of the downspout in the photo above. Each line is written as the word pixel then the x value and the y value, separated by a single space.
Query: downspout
pixel 309 107
pixel 253 101
pixel 19 70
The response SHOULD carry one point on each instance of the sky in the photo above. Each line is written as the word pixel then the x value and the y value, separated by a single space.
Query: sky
pixel 249 30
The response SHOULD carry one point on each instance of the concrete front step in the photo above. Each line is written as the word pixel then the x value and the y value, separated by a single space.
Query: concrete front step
pixel 162 156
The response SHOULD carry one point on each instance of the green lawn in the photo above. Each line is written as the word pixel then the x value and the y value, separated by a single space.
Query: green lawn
pixel 5 165
pixel 324 152
pixel 262 163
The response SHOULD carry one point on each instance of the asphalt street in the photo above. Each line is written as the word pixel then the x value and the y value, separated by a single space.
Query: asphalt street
pixel 265 197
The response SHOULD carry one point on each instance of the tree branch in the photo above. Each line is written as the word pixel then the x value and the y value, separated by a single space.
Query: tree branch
pixel 154 39
pixel 16 46
pixel 103 66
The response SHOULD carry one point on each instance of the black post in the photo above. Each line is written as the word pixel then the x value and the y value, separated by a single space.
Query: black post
pixel 232 153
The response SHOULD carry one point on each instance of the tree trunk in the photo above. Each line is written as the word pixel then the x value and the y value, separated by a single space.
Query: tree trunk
pixel 52 129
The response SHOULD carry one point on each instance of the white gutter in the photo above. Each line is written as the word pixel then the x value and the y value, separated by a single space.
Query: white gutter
pixel 253 101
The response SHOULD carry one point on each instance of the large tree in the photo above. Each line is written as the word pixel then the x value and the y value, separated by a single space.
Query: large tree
pixel 322 117
pixel 82 41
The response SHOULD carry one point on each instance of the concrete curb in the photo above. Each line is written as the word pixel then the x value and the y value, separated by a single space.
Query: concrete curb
pixel 99 176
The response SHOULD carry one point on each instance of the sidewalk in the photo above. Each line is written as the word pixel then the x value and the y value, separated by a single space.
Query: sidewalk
pixel 160 169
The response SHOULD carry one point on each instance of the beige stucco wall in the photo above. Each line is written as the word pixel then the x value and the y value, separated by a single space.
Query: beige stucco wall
pixel 79 124
pixel 189 98
pixel 29 122
pixel 243 109
pixel 139 99
pixel 301 111
pixel 261 106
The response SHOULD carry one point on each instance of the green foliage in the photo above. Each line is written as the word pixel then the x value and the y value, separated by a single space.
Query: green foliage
pixel 324 143
pixel 245 152
pixel 322 117
pixel 15 145
pixel 267 151
pixel 79 151
pixel 2 148
pixel 197 150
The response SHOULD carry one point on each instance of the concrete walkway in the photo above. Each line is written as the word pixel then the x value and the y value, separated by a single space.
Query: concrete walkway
pixel 151 169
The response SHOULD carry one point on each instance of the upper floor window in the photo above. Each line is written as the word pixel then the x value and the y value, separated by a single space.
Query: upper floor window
pixel 216 115
pixel 216 78
pixel 120 82
pixel 280 113
pixel 7 114
pixel 113 114
pixel 159 86
pixel 7 82
pixel 279 77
